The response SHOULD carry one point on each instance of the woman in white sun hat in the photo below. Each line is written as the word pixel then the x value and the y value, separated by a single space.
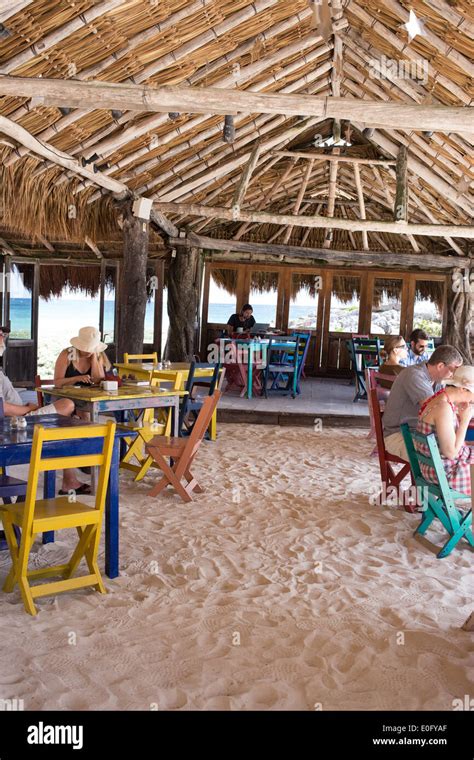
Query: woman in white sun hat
pixel 448 414
pixel 83 362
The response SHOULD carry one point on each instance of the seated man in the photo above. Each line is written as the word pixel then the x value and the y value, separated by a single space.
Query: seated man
pixel 13 406
pixel 418 350
pixel 410 388
pixel 241 322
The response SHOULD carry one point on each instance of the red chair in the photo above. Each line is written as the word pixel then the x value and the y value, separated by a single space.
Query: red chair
pixel 390 478
pixel 39 393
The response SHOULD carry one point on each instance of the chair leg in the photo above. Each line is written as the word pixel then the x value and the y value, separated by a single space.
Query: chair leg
pixel 22 576
pixel 14 548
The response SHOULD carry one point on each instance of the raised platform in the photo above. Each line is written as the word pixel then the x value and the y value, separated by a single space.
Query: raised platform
pixel 325 399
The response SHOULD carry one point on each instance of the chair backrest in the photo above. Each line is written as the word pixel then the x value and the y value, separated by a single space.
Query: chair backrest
pixel 303 346
pixel 128 358
pixel 201 424
pixel 210 381
pixel 39 382
pixel 39 464
pixel 377 420
pixel 432 458
pixel 288 353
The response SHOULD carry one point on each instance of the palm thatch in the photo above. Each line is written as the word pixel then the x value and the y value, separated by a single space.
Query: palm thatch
pixel 265 47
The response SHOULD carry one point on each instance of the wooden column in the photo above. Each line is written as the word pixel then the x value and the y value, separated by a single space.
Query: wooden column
pixel 183 301
pixel 158 310
pixel 132 286
pixel 401 198
pixel 459 312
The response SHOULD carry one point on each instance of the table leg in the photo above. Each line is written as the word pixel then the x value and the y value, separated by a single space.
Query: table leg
pixel 175 416
pixel 49 492
pixel 249 373
pixel 112 516
pixel 94 470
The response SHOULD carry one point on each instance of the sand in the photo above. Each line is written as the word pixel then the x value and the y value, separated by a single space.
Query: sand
pixel 280 588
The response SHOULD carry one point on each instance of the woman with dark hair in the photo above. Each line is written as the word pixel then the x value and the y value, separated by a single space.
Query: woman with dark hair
pixel 241 322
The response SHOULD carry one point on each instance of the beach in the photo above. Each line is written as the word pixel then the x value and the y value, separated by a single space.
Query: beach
pixel 283 587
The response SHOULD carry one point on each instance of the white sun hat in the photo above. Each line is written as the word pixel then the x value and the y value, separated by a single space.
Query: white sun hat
pixel 88 341
pixel 463 377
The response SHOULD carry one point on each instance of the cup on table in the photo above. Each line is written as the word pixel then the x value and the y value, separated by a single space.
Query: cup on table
pixel 240 329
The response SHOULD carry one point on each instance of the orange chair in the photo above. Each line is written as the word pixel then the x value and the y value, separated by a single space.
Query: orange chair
pixel 181 452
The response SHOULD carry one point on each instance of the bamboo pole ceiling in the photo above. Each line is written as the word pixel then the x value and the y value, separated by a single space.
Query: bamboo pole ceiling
pixel 66 163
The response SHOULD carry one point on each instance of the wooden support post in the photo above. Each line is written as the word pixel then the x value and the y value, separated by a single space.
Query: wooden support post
pixel 132 291
pixel 401 198
pixel 459 312
pixel 331 197
pixel 360 195
pixel 183 289
pixel 245 178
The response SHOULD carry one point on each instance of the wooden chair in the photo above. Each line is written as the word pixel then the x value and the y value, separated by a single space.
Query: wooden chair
pixel 182 452
pixel 39 515
pixel 192 403
pixel 372 380
pixel 39 382
pixel 282 365
pixel 129 358
pixel 363 352
pixel 390 478
pixel 143 427
pixel 438 501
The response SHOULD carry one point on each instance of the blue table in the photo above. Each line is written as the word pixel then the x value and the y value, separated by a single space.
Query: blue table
pixel 251 347
pixel 15 448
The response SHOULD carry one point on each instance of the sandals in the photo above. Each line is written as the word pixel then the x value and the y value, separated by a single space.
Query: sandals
pixel 83 490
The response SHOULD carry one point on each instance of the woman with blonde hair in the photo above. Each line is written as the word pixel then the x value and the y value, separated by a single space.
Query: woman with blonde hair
pixel 447 414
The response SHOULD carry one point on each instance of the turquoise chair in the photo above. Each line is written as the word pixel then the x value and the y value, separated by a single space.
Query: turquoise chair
pixel 438 500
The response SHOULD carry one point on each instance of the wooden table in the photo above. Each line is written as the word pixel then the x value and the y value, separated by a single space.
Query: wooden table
pixel 253 347
pixel 177 374
pixel 15 448
pixel 96 400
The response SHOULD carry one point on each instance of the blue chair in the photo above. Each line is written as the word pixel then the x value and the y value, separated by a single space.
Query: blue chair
pixel 363 352
pixel 282 366
pixel 9 487
pixel 438 499
pixel 303 347
pixel 192 405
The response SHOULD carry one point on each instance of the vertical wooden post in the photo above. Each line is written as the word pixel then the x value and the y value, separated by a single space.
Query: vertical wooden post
pixel 460 308
pixel 183 299
pixel 132 289
pixel 102 297
pixel 35 313
pixel 401 197
pixel 158 311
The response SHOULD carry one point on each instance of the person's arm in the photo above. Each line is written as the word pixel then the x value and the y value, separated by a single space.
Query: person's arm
pixel 252 322
pixel 18 410
pixel 97 369
pixel 60 368
pixel 420 388
pixel 230 327
pixel 451 441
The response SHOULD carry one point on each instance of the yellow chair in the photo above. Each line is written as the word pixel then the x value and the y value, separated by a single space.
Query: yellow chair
pixel 146 428
pixel 38 515
pixel 127 358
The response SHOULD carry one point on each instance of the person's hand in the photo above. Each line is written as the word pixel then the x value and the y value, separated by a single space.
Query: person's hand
pixel 85 379
pixel 465 411
pixel 30 407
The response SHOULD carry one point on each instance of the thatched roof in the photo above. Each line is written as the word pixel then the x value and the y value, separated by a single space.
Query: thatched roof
pixel 264 46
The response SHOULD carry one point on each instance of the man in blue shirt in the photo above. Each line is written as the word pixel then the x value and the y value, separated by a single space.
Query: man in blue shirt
pixel 418 350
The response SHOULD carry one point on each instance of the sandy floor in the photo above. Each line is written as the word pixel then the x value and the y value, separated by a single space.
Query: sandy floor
pixel 281 588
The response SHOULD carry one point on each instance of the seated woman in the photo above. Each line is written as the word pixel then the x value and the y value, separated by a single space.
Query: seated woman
pixel 393 351
pixel 82 363
pixel 448 414
pixel 241 322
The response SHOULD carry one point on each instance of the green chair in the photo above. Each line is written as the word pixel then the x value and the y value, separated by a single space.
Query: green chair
pixel 438 499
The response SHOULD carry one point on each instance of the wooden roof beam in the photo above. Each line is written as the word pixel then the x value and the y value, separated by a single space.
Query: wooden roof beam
pixel 223 101
pixel 366 258
pixel 397 228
